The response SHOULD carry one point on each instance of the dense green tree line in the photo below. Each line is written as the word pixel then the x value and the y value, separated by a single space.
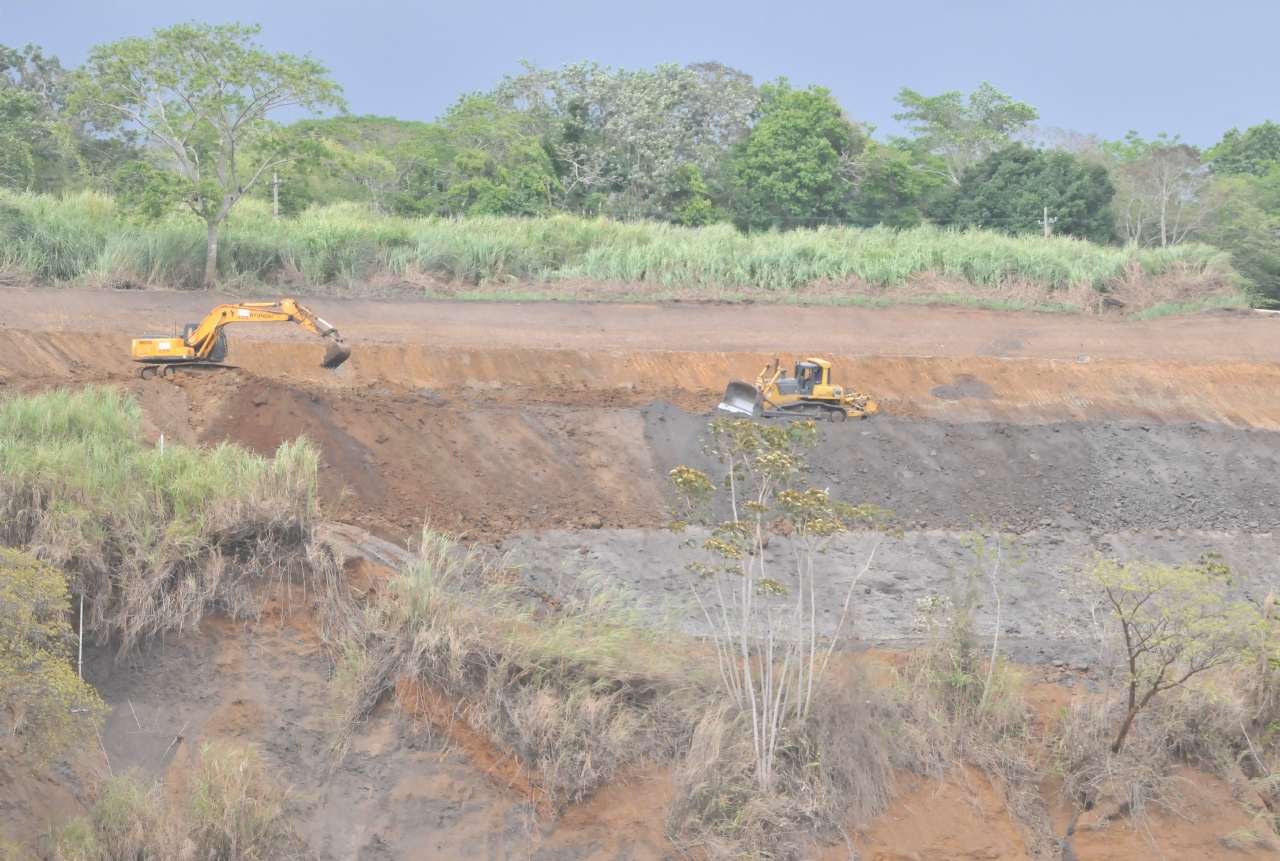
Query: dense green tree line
pixel 690 145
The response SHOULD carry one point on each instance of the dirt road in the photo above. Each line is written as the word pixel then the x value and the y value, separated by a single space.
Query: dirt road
pixel 1226 336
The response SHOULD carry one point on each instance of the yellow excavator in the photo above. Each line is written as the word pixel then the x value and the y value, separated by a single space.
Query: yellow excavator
pixel 205 343
pixel 808 393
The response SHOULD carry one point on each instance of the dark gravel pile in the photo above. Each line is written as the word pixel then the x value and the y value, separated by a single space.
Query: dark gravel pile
pixel 1094 476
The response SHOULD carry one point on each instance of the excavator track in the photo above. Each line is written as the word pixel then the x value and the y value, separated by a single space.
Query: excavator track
pixel 168 370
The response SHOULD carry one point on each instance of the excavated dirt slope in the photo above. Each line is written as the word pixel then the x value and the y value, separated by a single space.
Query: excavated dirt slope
pixel 548 428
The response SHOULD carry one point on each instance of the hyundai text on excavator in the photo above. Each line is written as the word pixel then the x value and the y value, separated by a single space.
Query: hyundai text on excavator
pixel 205 343
pixel 807 394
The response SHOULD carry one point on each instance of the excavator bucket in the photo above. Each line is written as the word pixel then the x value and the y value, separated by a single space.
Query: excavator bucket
pixel 742 398
pixel 337 353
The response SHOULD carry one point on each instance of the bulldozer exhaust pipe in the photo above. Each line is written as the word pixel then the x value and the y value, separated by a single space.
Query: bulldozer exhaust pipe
pixel 337 353
pixel 743 399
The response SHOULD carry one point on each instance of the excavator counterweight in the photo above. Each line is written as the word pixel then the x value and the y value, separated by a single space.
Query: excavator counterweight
pixel 205 343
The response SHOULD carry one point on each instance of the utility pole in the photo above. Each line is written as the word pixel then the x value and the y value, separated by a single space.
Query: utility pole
pixel 275 194
pixel 1047 222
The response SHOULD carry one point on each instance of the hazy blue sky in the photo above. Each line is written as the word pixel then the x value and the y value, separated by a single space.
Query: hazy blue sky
pixel 1194 68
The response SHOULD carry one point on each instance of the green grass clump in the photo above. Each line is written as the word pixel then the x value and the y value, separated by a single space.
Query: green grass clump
pixel 1169 309
pixel 57 240
pixel 152 539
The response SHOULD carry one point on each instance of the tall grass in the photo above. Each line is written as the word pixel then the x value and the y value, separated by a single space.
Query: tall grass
pixel 152 539
pixel 83 238
pixel 574 696
pixel 576 693
pixel 233 813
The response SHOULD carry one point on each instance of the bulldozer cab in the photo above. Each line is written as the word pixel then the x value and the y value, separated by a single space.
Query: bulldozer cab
pixel 808 375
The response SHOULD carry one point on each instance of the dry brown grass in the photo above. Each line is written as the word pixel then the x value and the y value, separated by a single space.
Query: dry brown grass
pixel 233 812
pixel 834 769
pixel 1202 727
pixel 573 694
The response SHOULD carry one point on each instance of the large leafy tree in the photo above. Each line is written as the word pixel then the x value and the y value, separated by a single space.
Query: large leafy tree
pixel 888 185
pixel 44 146
pixel 1244 204
pixel 493 165
pixel 203 95
pixel 1245 221
pixel 959 130
pixel 621 140
pixel 1254 152
pixel 33 91
pixel 480 158
pixel 364 159
pixel 794 168
pixel 1010 190
pixel 21 133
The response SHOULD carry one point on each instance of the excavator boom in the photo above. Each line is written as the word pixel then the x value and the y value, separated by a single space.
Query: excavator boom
pixel 205 342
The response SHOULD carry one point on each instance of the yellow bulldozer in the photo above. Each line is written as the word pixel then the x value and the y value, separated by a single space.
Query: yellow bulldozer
pixel 808 393
pixel 204 344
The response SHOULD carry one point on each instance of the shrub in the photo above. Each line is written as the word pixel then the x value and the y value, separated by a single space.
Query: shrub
pixel 48 707
pixel 1201 726
pixel 956 705
pixel 835 767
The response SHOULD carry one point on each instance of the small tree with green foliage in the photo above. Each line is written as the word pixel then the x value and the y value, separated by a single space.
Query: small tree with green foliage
pixel 690 203
pixel 202 93
pixel 1159 625
pixel 764 615
pixel 46 706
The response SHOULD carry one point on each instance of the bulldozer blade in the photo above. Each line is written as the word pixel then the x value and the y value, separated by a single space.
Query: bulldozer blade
pixel 742 398
pixel 337 353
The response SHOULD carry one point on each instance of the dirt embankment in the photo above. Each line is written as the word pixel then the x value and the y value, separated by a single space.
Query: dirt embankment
pixel 503 421
pixel 489 418
pixel 408 791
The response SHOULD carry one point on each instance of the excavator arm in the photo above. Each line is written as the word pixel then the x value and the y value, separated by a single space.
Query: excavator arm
pixel 200 341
